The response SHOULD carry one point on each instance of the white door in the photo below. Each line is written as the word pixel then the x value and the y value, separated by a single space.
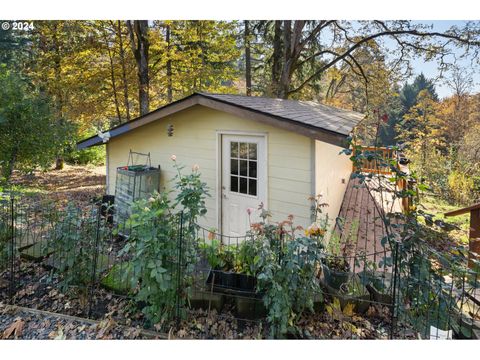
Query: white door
pixel 243 182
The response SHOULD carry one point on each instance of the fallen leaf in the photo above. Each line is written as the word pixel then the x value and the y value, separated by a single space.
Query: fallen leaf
pixel 60 335
pixel 105 327
pixel 14 329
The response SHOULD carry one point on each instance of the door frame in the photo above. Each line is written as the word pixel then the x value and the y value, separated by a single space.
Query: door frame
pixel 219 172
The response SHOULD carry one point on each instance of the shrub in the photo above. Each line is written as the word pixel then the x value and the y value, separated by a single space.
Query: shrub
pixel 4 236
pixel 287 267
pixel 461 187
pixel 162 273
pixel 288 279
pixel 73 241
pixel 94 155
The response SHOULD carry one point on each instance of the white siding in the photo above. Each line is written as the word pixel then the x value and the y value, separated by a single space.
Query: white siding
pixel 332 171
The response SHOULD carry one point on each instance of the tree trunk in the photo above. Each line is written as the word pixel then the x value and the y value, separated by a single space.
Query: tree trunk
pixel 277 58
pixel 284 83
pixel 248 60
pixel 169 66
pixel 59 162
pixel 11 165
pixel 140 46
pixel 112 78
pixel 124 70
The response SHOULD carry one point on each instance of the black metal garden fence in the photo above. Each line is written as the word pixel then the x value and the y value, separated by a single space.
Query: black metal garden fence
pixel 71 259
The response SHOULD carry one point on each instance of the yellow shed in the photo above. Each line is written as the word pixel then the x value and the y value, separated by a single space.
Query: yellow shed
pixel 250 150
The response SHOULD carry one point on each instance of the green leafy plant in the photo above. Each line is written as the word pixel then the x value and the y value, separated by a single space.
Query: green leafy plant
pixel 245 259
pixel 162 247
pixel 288 280
pixel 337 253
pixel 212 253
pixel 5 232
pixel 73 240
pixel 154 249
pixel 286 268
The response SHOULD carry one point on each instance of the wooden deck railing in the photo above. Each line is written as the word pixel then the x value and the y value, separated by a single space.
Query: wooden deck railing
pixel 377 166
pixel 380 165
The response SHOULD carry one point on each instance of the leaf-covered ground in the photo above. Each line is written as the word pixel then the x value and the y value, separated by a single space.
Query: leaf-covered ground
pixel 119 317
pixel 36 289
pixel 72 183
pixel 17 323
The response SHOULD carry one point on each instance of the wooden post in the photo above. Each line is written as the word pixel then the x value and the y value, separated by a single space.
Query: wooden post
pixel 474 233
pixel 474 241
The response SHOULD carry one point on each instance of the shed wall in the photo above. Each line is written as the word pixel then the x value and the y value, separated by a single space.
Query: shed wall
pixel 195 141
pixel 332 171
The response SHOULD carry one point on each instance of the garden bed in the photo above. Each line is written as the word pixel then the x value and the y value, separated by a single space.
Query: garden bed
pixel 125 319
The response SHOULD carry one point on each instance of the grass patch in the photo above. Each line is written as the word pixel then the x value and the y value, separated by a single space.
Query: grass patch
pixel 22 190
pixel 438 208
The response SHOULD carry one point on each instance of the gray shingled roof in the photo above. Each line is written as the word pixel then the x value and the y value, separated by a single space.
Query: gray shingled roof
pixel 307 117
pixel 307 112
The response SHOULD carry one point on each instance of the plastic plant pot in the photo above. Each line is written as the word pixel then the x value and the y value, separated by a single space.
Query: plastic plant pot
pixel 245 282
pixel 250 308
pixel 333 278
pixel 199 299
pixel 222 280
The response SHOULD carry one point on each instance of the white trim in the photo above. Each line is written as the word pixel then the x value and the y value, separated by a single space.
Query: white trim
pixel 219 172
pixel 242 132
pixel 107 172
pixel 313 169
pixel 218 175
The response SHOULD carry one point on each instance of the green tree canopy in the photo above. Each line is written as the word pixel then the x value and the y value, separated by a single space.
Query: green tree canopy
pixel 27 133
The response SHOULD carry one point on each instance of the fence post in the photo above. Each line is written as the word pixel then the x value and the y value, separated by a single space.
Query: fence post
pixel 95 260
pixel 394 291
pixel 12 249
pixel 179 269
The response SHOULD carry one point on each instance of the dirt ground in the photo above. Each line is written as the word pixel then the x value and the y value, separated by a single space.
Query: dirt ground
pixel 72 183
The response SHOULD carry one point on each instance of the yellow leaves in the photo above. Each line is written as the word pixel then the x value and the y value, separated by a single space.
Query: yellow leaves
pixel 348 309
pixel 336 311
pixel 14 329
pixel 314 230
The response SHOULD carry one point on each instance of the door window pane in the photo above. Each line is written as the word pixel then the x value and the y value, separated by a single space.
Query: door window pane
pixel 243 185
pixel 252 187
pixel 243 150
pixel 234 166
pixel 252 151
pixel 234 149
pixel 243 167
pixel 234 183
pixel 252 169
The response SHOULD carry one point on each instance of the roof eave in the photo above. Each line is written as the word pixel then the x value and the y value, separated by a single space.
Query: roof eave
pixel 311 131
pixel 142 120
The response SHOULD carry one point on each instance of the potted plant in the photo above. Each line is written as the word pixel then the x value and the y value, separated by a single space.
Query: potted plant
pixel 221 260
pixel 248 302
pixel 377 283
pixel 354 292
pixel 335 266
pixel 245 267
